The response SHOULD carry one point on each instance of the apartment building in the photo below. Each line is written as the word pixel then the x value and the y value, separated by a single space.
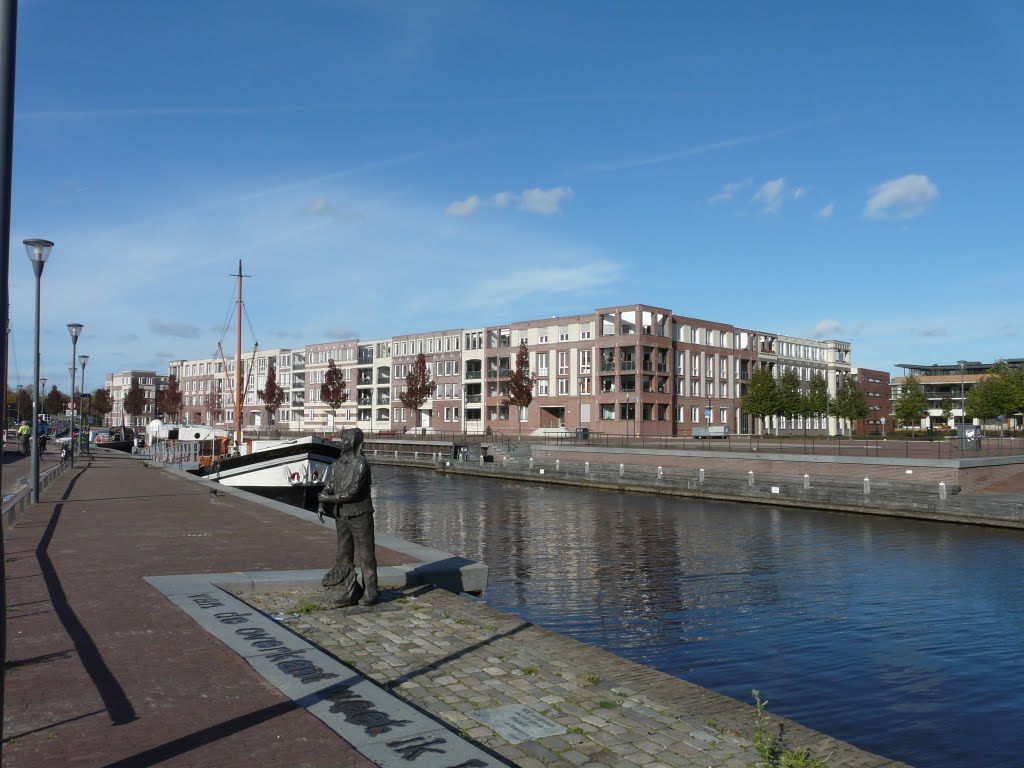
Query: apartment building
pixel 631 369
pixel 118 385
pixel 946 387
pixel 876 387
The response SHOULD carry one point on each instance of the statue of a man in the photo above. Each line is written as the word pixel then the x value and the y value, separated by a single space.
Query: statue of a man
pixel 346 498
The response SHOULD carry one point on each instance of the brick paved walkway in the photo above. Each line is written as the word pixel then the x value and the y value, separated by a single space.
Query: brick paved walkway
pixel 103 670
pixel 452 656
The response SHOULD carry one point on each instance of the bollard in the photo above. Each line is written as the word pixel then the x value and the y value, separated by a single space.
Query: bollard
pixel 807 481
pixel 622 470
pixel 396 454
pixel 531 462
pixel 558 463
pixel 942 490
pixel 374 451
pixel 504 461
pixel 867 486
pixel 586 467
pixel 481 460
pixel 542 470
pixel 416 456
pixel 750 478
pixel 702 475
pixel 660 472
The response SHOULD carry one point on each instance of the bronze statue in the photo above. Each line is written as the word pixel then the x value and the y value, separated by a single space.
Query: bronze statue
pixel 346 498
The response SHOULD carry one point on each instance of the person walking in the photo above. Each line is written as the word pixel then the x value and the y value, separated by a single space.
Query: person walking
pixel 24 431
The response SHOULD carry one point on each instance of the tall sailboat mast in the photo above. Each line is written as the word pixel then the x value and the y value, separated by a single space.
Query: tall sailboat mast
pixel 238 366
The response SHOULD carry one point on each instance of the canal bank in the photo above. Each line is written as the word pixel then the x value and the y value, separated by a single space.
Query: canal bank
pixel 924 489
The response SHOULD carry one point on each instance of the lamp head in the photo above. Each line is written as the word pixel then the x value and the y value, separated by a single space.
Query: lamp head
pixel 38 250
pixel 83 359
pixel 75 329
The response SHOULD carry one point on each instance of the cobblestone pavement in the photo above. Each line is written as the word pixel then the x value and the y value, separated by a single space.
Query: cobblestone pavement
pixel 451 656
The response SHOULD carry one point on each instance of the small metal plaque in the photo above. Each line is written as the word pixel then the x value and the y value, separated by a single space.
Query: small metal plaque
pixel 516 723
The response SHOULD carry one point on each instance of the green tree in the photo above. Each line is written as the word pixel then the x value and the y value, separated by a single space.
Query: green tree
pixel 55 402
pixel 947 410
pixel 816 399
pixel 272 395
pixel 418 387
pixel 101 403
pixel 999 393
pixel 22 404
pixel 135 401
pixel 911 403
pixel 520 384
pixel 790 399
pixel 333 391
pixel 762 396
pixel 850 403
pixel 169 400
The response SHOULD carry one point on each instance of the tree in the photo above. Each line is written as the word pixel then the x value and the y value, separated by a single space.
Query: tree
pixel 850 402
pixel 911 403
pixel 762 398
pixel 333 391
pixel 272 395
pixel 23 404
pixel 101 403
pixel 418 386
pixel 135 400
pixel 789 400
pixel 169 400
pixel 55 403
pixel 999 393
pixel 520 384
pixel 947 410
pixel 816 399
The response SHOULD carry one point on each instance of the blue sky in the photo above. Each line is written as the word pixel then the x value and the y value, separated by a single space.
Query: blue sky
pixel 835 170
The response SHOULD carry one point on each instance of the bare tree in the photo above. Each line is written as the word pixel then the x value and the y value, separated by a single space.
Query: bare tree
pixel 520 384
pixel 418 386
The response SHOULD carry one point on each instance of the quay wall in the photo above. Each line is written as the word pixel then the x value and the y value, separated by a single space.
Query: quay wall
pixel 892 498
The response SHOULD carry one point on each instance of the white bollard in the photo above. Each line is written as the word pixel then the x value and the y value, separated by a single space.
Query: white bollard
pixel 504 461
pixel 481 460
pixel 942 490
pixel 416 456
pixel 867 485
pixel 396 454
pixel 374 451
pixel 622 470
pixel 586 467
pixel 558 463
pixel 807 481
pixel 750 478
pixel 702 475
pixel 660 472
pixel 531 462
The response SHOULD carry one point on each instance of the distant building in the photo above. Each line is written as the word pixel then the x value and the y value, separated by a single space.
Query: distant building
pixel 118 384
pixel 876 387
pixel 946 387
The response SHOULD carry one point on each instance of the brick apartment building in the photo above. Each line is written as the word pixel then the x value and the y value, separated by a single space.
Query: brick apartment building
pixel 876 388
pixel 118 384
pixel 946 387
pixel 631 369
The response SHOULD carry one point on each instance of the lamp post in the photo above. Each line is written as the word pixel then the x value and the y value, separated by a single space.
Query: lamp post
pixel 38 251
pixel 75 329
pixel 963 400
pixel 82 360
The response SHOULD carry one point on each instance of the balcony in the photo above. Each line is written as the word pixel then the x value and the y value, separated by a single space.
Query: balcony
pixel 648 365
pixel 473 374
pixel 364 381
pixel 365 401
pixel 662 367
pixel 627 365
pixel 383 379
pixel 474 399
pixel 364 358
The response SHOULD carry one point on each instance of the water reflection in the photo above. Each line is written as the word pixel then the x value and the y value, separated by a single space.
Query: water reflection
pixel 902 637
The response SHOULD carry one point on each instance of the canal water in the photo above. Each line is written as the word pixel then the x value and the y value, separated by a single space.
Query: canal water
pixel 905 638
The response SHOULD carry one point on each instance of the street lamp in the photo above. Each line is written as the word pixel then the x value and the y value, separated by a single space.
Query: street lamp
pixel 38 251
pixel 963 400
pixel 75 329
pixel 82 359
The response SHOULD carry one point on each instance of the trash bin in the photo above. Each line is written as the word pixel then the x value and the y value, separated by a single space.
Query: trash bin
pixel 582 433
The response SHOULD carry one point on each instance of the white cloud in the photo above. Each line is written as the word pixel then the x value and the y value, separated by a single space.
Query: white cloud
pixel 340 332
pixel 799 192
pixel 513 286
pixel 504 199
pixel 827 327
pixel 544 202
pixel 1008 330
pixel 466 207
pixel 324 207
pixel 771 195
pixel 729 191
pixel 177 330
pixel 902 198
pixel 827 211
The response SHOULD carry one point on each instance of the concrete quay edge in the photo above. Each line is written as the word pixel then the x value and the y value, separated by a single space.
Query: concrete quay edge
pixel 996 512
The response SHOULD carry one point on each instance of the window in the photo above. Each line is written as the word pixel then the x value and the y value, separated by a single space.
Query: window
pixel 584 386
pixel 695 415
pixel 607 411
pixel 563 386
pixel 585 332
pixel 723 415
pixel 524 414
pixel 563 363
pixel 563 333
pixel 542 388
pixel 543 338
pixel 542 363
pixel 584 361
